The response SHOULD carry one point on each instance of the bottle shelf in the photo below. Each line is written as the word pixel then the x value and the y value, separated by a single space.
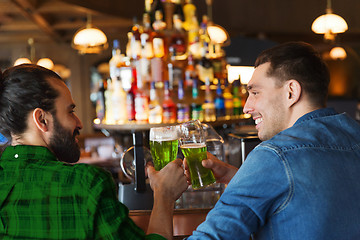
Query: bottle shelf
pixel 135 126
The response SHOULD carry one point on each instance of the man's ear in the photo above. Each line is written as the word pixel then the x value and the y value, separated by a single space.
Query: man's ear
pixel 40 118
pixel 293 88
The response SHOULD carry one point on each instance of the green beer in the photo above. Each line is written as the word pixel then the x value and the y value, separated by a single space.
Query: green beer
pixel 163 152
pixel 194 154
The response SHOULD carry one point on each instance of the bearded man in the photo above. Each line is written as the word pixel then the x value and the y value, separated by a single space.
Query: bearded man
pixel 42 196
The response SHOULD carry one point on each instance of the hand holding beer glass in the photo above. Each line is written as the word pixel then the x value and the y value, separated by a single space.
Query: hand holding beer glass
pixel 163 145
pixel 193 146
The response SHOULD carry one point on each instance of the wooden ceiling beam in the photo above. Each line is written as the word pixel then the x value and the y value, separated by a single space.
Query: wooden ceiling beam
pixel 28 9
pixel 120 8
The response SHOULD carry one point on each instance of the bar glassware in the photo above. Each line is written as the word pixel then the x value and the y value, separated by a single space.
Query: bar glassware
pixel 163 145
pixel 193 145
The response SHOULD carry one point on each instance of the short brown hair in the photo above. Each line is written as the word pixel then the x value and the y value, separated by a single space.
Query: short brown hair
pixel 299 61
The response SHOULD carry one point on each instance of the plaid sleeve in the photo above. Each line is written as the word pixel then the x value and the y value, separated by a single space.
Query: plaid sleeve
pixel 111 220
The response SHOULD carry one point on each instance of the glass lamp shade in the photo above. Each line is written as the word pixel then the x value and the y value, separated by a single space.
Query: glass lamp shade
pixel 217 34
pixel 338 53
pixel 89 40
pixel 21 61
pixel 329 23
pixel 46 63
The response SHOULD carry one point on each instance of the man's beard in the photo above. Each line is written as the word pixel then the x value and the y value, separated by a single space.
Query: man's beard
pixel 63 143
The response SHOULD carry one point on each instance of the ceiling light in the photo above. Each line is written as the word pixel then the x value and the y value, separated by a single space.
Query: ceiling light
pixel 89 39
pixel 22 60
pixel 217 34
pixel 329 24
pixel 46 63
pixel 338 53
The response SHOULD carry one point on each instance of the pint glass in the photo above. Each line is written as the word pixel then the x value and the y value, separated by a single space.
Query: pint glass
pixel 163 145
pixel 193 146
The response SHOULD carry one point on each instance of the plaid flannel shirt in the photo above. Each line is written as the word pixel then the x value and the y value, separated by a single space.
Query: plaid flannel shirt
pixel 43 198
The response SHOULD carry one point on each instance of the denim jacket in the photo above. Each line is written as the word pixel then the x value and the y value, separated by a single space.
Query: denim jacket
pixel 302 184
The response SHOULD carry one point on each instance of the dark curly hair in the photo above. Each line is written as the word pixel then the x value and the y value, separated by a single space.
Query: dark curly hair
pixel 24 88
pixel 299 61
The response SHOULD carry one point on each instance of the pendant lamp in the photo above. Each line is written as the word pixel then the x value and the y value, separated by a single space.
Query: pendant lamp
pixel 89 39
pixel 329 24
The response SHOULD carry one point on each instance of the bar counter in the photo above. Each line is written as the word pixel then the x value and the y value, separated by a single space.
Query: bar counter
pixel 184 221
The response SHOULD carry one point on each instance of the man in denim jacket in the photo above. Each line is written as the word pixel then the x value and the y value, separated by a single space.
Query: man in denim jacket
pixel 303 181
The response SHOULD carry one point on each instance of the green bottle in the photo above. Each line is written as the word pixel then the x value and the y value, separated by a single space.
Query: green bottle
pixel 238 108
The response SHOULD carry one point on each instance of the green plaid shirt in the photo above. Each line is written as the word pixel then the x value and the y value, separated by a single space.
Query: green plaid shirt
pixel 43 198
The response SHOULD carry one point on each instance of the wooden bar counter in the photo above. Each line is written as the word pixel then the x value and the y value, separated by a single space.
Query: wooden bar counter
pixel 184 221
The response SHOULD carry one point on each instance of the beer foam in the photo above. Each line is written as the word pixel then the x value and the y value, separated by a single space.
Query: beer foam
pixel 163 134
pixel 194 145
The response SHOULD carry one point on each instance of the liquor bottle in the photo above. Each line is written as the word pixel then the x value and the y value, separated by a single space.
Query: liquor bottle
pixel 147 6
pixel 204 66
pixel 135 43
pixel 193 39
pixel 126 74
pixel 146 38
pixel 116 61
pixel 197 112
pixel 158 38
pixel 146 51
pixel 158 7
pixel 183 108
pixel 169 107
pixel 243 94
pixel 209 106
pixel 219 67
pixel 141 102
pixel 203 33
pixel 155 109
pixel 128 45
pixel 175 69
pixel 236 98
pixel 189 10
pixel 118 102
pixel 219 101
pixel 159 46
pixel 178 39
pixel 228 98
pixel 109 115
pixel 100 107
pixel 130 95
pixel 190 75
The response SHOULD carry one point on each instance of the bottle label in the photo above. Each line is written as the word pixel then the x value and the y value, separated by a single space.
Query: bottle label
pixel 177 75
pixel 130 107
pixel 100 106
pixel 183 114
pixel 197 114
pixel 141 108
pixel 136 49
pixel 168 115
pixel 156 69
pixel 145 69
pixel 155 114
pixel 159 49
pixel 126 78
pixel 119 101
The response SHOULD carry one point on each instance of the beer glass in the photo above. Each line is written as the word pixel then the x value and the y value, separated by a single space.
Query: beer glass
pixel 163 145
pixel 193 145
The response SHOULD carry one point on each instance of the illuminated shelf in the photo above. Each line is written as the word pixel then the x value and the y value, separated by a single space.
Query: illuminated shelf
pixel 135 126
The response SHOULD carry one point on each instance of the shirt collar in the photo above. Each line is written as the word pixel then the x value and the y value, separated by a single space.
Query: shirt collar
pixel 25 152
pixel 323 112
